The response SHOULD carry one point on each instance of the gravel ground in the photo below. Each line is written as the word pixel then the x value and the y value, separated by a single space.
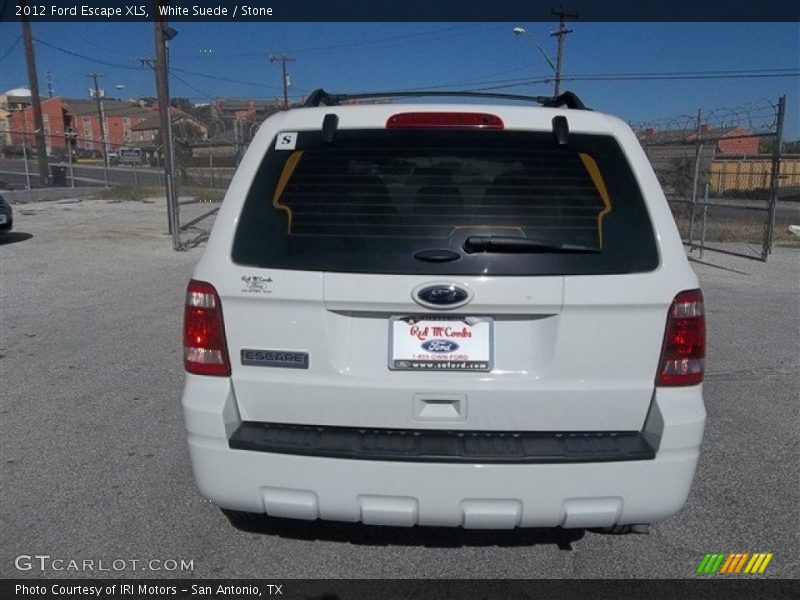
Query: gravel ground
pixel 93 462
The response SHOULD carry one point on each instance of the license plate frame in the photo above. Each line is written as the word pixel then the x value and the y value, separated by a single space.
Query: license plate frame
pixel 480 360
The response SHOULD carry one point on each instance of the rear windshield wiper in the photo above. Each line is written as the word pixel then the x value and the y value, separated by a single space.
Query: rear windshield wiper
pixel 511 244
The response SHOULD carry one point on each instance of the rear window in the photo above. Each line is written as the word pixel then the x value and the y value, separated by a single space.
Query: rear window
pixel 408 201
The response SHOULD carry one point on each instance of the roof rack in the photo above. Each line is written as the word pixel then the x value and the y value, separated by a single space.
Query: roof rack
pixel 320 97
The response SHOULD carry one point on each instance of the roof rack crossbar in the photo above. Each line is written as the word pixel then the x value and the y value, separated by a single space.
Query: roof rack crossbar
pixel 320 97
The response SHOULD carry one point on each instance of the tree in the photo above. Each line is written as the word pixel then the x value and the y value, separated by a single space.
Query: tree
pixel 183 104
pixel 768 143
pixel 678 177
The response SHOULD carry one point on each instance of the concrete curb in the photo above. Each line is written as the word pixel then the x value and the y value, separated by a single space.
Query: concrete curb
pixel 46 194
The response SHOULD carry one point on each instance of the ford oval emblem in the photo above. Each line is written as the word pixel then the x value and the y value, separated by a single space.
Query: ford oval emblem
pixel 439 346
pixel 442 295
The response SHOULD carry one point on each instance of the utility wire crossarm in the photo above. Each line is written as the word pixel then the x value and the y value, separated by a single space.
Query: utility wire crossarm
pixel 283 59
pixel 561 33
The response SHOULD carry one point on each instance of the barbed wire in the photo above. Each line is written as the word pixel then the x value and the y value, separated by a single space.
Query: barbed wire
pixel 758 118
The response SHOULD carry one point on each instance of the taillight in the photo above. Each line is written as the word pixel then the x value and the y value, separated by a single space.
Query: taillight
pixel 204 348
pixel 444 120
pixel 684 349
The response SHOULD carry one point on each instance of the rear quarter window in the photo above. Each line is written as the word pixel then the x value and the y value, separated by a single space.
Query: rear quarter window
pixel 371 200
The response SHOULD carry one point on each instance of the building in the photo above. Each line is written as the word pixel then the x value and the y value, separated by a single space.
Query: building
pixel 184 127
pixel 62 115
pixel 223 147
pixel 12 101
pixel 726 140
pixel 737 140
pixel 246 110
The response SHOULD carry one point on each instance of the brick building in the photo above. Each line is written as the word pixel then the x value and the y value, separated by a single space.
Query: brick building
pixel 726 140
pixel 80 115
pixel 184 127
pixel 246 110
pixel 737 140
pixel 10 102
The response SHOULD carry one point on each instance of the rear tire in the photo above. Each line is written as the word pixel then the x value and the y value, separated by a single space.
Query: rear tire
pixel 244 520
pixel 613 530
pixel 621 529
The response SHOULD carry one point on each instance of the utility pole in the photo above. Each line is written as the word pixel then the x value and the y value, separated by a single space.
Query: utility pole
pixel 283 60
pixel 48 77
pixel 25 151
pixel 775 175
pixel 38 121
pixel 101 115
pixel 237 140
pixel 561 33
pixel 163 34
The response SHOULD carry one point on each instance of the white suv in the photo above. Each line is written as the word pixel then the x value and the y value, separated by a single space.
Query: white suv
pixel 445 314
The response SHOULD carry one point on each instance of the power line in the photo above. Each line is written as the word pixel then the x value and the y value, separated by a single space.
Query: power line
pixel 225 79
pixel 173 70
pixel 478 79
pixel 89 58
pixel 545 79
pixel 719 74
pixel 190 86
pixel 644 78
pixel 653 78
pixel 11 48
pixel 496 84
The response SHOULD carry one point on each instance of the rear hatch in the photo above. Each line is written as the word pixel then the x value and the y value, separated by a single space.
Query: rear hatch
pixel 444 277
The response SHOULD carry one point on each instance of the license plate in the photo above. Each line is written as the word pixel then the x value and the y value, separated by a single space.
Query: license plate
pixel 442 344
pixel 3 219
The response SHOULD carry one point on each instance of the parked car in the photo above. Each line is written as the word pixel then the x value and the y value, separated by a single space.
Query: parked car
pixel 6 215
pixel 129 156
pixel 445 314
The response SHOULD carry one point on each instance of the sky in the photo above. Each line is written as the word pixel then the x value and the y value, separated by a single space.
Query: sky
pixel 230 60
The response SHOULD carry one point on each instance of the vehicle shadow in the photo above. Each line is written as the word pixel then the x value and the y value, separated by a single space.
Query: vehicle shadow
pixel 429 537
pixel 12 237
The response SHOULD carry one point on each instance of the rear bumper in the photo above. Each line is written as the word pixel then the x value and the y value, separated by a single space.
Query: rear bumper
pixel 441 445
pixel 474 495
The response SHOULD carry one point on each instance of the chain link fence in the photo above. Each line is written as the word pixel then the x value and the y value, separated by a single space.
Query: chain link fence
pixel 75 161
pixel 136 170
pixel 723 172
pixel 203 176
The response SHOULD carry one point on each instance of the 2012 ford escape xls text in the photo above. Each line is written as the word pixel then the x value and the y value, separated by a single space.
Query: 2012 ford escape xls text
pixel 440 314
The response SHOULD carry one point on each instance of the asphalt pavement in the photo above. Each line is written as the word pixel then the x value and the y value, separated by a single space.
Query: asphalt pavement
pixel 93 460
pixel 12 172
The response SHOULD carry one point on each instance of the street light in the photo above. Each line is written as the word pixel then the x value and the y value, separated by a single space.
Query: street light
pixel 522 32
